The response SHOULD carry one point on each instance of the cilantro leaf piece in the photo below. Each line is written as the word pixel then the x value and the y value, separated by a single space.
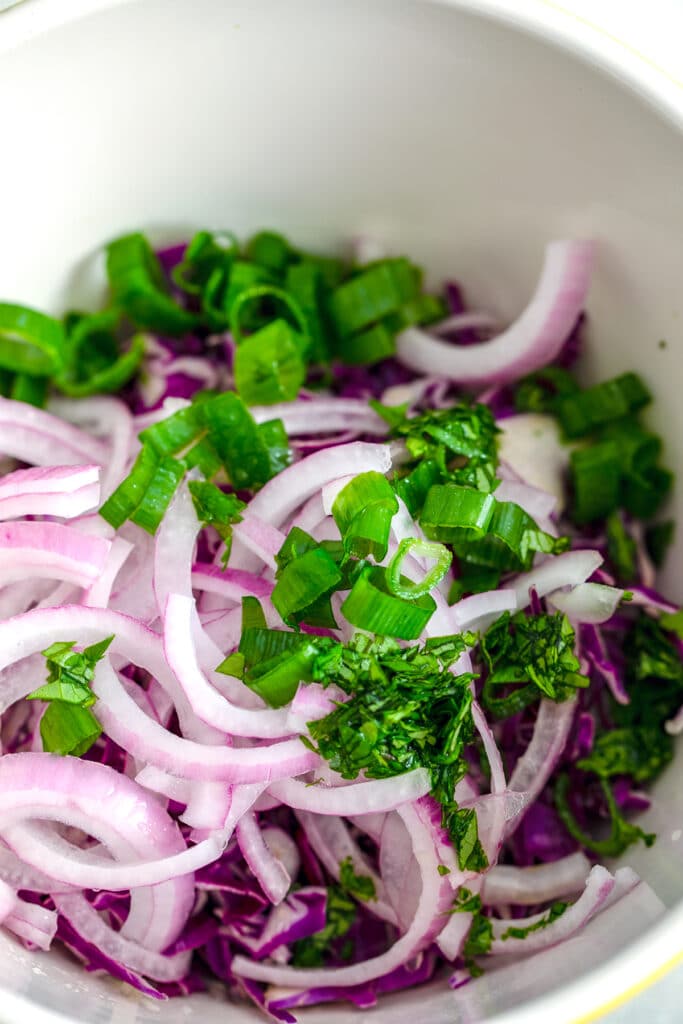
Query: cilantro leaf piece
pixel 480 935
pixel 557 910
pixel 405 710
pixel 360 886
pixel 341 913
pixel 534 650
pixel 622 834
pixel 68 726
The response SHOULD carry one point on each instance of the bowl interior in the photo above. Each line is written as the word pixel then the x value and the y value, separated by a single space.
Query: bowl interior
pixel 459 141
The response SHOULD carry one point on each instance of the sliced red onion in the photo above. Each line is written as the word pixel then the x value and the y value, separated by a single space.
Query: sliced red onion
pixel 287 491
pixel 540 883
pixel 566 570
pixel 105 804
pixel 599 885
pixel 133 730
pixel 331 842
pixel 370 824
pixel 463 322
pixel 652 600
pixel 323 416
pixel 164 783
pixel 97 595
pixel 271 874
pixel 63 491
pixel 311 702
pixel 8 898
pixel 35 925
pixel 427 923
pixel 399 870
pixel 478 611
pixel 50 551
pixel 623 918
pixel 36 437
pixel 537 763
pixel 371 797
pixel 331 491
pixel 208 804
pixel 490 749
pixel 587 602
pixel 109 419
pixel 209 705
pixel 259 537
pixel 452 938
pixel 93 928
pixel 531 342
pixel 532 452
pixel 535 502
pixel 231 584
pixel 283 848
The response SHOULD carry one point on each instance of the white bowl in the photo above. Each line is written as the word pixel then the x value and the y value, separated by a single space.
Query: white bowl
pixel 449 135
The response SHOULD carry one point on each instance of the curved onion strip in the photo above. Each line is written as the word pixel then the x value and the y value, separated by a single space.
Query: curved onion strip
pixel 462 322
pixel 535 766
pixel 599 885
pixel 103 803
pixel 98 594
pixel 259 537
pixel 133 730
pixel 108 418
pixel 490 749
pixel 231 584
pixel 50 551
pixel 532 341
pixel 428 921
pixel 36 925
pixel 452 938
pixel 209 705
pixel 63 491
pixel 331 842
pixel 271 874
pixel 399 870
pixel 478 611
pixel 8 898
pixel 371 797
pixel 92 927
pixel 287 491
pixel 535 502
pixel 587 602
pixel 36 437
pixel 565 570
pixel 322 416
pixel 540 883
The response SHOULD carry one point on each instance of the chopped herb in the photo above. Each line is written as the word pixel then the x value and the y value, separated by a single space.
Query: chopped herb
pixel 622 833
pixel 621 547
pixel 405 710
pixel 68 726
pixel 341 914
pixel 557 910
pixel 217 509
pixel 533 652
pixel 480 935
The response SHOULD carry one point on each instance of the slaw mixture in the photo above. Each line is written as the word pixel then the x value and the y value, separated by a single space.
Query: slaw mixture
pixel 331 657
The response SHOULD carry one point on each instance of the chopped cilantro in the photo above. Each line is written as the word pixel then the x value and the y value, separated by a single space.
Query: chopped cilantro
pixel 536 651
pixel 406 710
pixel 557 910
pixel 341 914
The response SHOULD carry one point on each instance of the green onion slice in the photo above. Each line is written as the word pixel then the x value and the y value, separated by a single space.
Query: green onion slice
pixel 371 606
pixel 30 342
pixel 401 587
pixel 138 287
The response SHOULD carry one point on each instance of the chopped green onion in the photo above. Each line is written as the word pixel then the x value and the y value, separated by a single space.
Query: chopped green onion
pixel 270 250
pixel 160 490
pixel 452 512
pixel 236 439
pixel 541 391
pixel 252 614
pixel 273 435
pixel 398 585
pixel 174 433
pixel 369 346
pixel 511 540
pixel 621 547
pixel 304 283
pixel 302 582
pixel 372 607
pixel 581 413
pixel 206 253
pixel 371 294
pixel 122 503
pixel 412 488
pixel 269 365
pixel 363 511
pixel 30 342
pixel 233 665
pixel 275 296
pixel 473 579
pixel 105 381
pixel 596 477
pixel 644 493
pixel 276 681
pixel 223 290
pixel 32 390
pixel 259 644
pixel 138 287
